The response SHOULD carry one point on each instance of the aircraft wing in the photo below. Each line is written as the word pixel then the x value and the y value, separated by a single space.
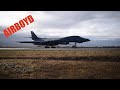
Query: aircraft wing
pixel 42 42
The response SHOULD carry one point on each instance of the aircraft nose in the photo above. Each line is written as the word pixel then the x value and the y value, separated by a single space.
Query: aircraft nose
pixel 87 39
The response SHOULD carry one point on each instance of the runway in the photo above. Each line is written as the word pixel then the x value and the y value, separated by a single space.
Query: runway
pixel 86 49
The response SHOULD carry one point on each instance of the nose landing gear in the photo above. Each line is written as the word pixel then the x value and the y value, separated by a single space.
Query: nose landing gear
pixel 75 46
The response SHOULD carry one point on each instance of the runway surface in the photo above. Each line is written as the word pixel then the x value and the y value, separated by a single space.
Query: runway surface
pixel 60 49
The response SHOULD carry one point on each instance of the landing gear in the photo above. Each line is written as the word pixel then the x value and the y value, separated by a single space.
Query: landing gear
pixel 53 47
pixel 47 47
pixel 50 47
pixel 75 46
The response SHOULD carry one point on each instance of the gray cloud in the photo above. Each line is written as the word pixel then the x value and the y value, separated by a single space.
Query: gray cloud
pixel 2 28
pixel 66 19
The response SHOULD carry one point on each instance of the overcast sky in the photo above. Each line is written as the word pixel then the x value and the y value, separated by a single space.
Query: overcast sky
pixel 92 24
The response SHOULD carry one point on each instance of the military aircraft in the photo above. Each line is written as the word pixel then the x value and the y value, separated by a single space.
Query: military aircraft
pixel 47 42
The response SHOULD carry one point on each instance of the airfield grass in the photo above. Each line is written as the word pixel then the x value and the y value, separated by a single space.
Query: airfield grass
pixel 60 64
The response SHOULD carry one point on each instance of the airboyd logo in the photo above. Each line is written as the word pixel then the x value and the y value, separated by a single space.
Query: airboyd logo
pixel 17 26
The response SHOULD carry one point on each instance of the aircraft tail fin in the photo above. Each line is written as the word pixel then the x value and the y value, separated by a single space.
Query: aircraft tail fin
pixel 34 37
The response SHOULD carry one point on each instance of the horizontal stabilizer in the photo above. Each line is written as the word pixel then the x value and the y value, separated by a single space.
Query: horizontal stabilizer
pixel 30 42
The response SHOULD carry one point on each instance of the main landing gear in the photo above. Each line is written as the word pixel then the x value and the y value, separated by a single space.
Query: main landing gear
pixel 53 47
pixel 49 47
